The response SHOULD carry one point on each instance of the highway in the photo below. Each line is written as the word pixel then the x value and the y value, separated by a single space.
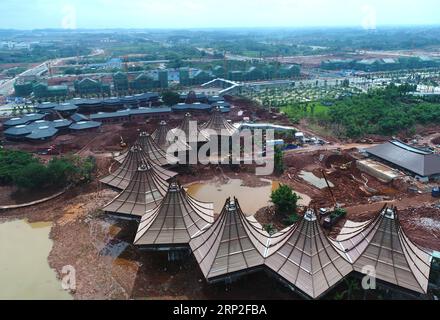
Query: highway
pixel 7 87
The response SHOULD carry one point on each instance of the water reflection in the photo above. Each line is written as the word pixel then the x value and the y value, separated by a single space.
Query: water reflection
pixel 251 199
pixel 24 270
pixel 314 180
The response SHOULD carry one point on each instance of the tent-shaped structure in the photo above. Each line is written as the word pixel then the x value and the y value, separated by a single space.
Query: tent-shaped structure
pixel 135 158
pixel 232 246
pixel 176 220
pixel 191 136
pixel 306 259
pixel 145 191
pixel 160 138
pixel 218 124
pixel 382 243
pixel 154 153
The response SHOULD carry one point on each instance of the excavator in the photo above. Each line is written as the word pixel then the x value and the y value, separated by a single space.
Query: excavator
pixel 334 216
pixel 122 143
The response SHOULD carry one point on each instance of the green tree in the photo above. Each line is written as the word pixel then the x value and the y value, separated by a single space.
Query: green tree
pixel 11 162
pixel 27 172
pixel 61 171
pixel 170 98
pixel 279 161
pixel 285 201
pixel 32 176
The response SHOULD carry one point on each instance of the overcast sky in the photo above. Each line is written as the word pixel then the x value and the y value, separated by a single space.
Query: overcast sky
pixel 34 14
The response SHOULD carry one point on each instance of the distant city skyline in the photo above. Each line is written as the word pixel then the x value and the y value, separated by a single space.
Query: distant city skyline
pixel 178 14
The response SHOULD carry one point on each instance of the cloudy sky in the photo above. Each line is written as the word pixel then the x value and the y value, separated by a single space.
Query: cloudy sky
pixel 32 14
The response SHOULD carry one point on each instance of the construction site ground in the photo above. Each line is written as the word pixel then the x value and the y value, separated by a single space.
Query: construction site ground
pixel 108 266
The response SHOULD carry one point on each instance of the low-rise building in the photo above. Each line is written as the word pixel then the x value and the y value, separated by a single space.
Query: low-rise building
pixel 42 90
pixel 85 126
pixel 422 164
pixel 89 86
pixel 23 120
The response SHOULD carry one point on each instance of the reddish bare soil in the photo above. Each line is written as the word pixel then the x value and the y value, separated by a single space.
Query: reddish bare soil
pixel 436 141
pixel 12 196
pixel 423 226
pixel 109 267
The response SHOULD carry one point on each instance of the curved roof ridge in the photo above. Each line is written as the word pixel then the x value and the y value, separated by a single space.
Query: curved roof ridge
pixel 190 136
pixel 394 255
pixel 154 152
pixel 144 192
pixel 307 259
pixel 227 246
pixel 219 124
pixel 175 221
pixel 133 160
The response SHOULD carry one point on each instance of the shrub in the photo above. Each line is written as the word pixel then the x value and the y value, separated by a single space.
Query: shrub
pixel 27 172
pixel 11 162
pixel 285 201
pixel 270 228
pixel 292 219
pixel 279 161
pixel 32 176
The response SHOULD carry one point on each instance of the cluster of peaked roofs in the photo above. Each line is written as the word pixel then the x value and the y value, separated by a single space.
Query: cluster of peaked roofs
pixel 233 244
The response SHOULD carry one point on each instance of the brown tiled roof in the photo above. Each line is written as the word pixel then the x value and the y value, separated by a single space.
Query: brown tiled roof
pixel 177 219
pixel 134 158
pixel 144 192
pixel 191 136
pixel 307 259
pixel 233 244
pixel 383 244
pixel 219 125
pixel 154 153
pixel 160 138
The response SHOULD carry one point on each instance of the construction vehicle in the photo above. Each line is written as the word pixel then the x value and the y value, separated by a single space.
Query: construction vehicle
pixel 332 217
pixel 436 192
pixel 122 143
pixel 51 151
pixel 346 166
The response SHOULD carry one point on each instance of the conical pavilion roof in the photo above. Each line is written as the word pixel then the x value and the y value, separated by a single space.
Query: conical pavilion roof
pixel 191 136
pixel 134 159
pixel 307 259
pixel 233 244
pixel 382 243
pixel 177 219
pixel 160 138
pixel 218 124
pixel 145 191
pixel 155 154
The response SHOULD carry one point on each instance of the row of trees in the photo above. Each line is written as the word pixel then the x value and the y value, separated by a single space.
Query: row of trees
pixel 384 112
pixel 27 172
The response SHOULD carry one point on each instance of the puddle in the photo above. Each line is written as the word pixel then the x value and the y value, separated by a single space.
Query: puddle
pixel 24 270
pixel 314 180
pixel 251 199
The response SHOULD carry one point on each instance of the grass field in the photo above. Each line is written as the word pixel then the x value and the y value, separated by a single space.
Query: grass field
pixel 306 110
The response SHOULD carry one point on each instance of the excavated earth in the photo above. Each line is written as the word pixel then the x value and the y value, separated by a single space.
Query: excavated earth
pixel 109 267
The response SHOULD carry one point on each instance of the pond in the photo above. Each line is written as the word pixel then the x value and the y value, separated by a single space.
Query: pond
pixel 25 273
pixel 314 180
pixel 251 199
